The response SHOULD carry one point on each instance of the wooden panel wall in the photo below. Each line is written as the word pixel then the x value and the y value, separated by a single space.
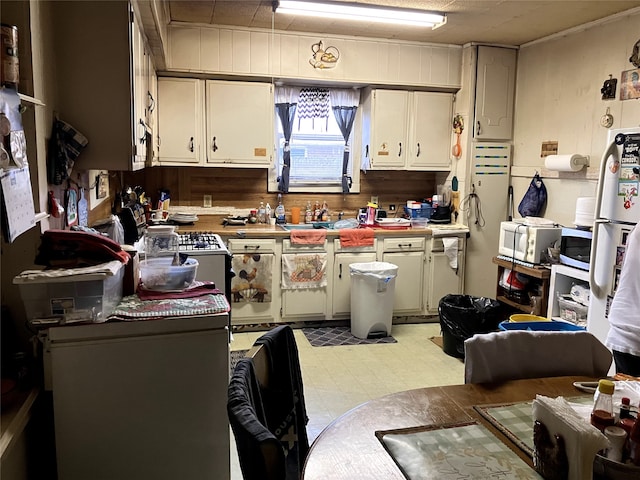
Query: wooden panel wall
pixel 245 188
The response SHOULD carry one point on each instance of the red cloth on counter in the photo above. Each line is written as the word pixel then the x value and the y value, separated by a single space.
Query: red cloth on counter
pixel 356 237
pixel 196 289
pixel 71 249
pixel 309 237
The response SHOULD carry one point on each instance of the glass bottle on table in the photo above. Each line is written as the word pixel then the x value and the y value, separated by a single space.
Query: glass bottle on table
pixel 602 413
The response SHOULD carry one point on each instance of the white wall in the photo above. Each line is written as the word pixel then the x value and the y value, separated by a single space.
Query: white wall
pixel 558 98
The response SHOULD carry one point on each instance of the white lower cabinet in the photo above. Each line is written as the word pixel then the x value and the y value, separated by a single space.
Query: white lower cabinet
pixel 341 284
pixel 409 255
pixel 444 279
pixel 255 293
pixel 308 264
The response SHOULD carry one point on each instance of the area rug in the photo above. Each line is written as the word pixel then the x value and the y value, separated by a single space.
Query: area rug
pixel 333 336
pixel 235 356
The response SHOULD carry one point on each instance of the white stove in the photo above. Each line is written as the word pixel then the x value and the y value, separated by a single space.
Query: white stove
pixel 214 260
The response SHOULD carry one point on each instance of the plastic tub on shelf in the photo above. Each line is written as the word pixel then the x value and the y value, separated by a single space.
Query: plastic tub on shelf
pixel 161 275
pixel 546 326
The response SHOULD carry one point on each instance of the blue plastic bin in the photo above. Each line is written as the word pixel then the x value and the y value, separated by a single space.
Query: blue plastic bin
pixel 552 326
pixel 424 211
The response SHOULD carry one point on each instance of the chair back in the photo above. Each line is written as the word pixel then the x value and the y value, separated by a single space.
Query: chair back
pixel 260 453
pixel 283 395
pixel 515 354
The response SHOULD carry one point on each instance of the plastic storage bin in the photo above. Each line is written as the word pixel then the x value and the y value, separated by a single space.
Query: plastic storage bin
pixel 86 297
pixel 572 311
pixel 372 296
pixel 424 211
pixel 552 326
pixel 161 275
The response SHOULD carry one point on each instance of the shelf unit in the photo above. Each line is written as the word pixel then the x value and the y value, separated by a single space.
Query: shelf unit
pixel 539 272
pixel 563 278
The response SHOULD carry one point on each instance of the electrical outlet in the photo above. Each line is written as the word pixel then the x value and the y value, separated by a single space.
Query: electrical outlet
pixel 374 199
pixel 392 208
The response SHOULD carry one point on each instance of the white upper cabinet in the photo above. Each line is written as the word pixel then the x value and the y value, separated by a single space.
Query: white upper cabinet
pixel 495 88
pixel 180 121
pixel 406 130
pixel 239 123
pixel 430 127
pixel 101 80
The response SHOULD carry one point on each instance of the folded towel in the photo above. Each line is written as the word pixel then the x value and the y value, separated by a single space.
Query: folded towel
pixel 581 440
pixel 309 237
pixel 356 237
pixel 196 289
pixel 108 269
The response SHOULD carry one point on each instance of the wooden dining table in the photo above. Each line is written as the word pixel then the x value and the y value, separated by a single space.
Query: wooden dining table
pixel 348 449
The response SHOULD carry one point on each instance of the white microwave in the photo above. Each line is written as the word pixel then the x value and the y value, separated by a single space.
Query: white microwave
pixel 526 242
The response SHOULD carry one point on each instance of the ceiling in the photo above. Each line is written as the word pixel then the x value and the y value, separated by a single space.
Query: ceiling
pixel 506 22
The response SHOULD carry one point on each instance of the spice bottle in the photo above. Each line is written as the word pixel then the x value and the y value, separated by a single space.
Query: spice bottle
pixel 308 214
pixel 625 408
pixel 602 413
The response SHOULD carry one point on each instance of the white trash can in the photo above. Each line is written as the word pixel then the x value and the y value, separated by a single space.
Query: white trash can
pixel 372 294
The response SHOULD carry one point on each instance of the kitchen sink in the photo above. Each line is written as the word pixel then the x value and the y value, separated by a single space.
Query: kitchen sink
pixel 305 226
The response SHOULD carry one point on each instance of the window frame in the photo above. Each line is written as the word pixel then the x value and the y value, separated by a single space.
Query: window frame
pixel 320 187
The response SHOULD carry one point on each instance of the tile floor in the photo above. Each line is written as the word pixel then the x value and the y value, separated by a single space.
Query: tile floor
pixel 336 379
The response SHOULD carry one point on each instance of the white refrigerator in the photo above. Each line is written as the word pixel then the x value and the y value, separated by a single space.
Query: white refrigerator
pixel 141 400
pixel 617 212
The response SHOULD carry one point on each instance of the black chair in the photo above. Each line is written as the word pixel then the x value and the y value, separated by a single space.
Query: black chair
pixel 283 395
pixel 260 453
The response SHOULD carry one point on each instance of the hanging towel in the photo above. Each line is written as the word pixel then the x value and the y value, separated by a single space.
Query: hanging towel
pixel 356 237
pixel 301 271
pixel 309 237
pixel 252 282
pixel 451 251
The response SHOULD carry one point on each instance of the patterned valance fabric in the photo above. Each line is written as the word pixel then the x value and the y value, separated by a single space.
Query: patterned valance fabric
pixel 314 103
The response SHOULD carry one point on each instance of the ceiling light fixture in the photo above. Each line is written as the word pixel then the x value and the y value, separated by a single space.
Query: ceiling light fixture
pixel 360 12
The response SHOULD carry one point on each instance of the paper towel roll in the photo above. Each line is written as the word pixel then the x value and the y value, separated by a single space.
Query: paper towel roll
pixel 565 163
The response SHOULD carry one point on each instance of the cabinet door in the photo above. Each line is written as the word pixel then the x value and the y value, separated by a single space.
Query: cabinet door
pixel 495 86
pixel 443 280
pixel 389 125
pixel 409 282
pixel 140 78
pixel 429 144
pixel 341 300
pixel 240 123
pixel 180 105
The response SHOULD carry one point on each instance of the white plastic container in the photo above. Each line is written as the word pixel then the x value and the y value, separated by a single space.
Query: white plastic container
pixel 159 274
pixel 372 296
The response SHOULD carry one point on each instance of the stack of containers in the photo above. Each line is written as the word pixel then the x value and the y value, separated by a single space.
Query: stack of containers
pixel 163 268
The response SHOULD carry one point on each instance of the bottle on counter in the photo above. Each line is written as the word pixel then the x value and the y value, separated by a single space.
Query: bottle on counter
pixel 308 214
pixel 280 211
pixel 602 413
pixel 317 213
pixel 324 212
pixel 262 218
pixel 268 213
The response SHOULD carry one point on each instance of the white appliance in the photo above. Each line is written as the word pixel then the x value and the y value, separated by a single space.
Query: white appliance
pixel 146 399
pixel 617 211
pixel 527 243
pixel 211 253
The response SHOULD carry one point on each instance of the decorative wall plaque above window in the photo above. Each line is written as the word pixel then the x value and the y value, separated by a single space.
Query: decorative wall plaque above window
pixel 323 57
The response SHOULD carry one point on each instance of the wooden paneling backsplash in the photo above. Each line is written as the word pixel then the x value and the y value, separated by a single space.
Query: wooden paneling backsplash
pixel 245 188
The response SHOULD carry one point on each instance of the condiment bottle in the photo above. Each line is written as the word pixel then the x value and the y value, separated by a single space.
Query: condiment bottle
pixel 634 443
pixel 308 214
pixel 602 413
pixel 625 408
pixel 262 218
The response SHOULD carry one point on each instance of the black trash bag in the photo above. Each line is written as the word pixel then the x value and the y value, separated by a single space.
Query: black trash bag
pixel 534 199
pixel 462 316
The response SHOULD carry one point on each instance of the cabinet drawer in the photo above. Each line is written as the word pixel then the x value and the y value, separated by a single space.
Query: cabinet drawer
pixel 409 244
pixel 254 245
pixel 368 248
pixel 289 247
pixel 438 246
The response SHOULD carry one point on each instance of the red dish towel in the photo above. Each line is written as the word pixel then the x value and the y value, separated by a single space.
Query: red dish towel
pixel 309 237
pixel 356 237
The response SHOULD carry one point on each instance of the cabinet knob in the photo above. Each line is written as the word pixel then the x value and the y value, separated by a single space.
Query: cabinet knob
pixel 418 153
pixel 191 145
pixel 214 147
pixel 478 129
pixel 400 149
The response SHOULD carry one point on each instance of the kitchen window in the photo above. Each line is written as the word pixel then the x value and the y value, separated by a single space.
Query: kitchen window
pixel 316 148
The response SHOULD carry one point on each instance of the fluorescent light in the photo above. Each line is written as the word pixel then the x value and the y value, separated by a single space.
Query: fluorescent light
pixel 359 12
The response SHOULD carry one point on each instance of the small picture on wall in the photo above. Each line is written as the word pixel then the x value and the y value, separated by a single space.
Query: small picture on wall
pixel 630 84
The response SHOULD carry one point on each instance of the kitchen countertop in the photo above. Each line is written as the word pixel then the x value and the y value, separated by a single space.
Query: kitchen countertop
pixel 213 223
